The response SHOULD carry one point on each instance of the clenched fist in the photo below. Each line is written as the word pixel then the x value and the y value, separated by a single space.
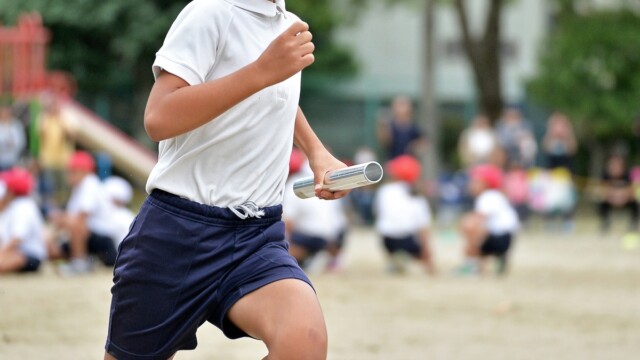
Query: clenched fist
pixel 287 54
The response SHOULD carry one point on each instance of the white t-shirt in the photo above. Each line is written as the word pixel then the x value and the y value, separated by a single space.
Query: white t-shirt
pixel 243 154
pixel 22 220
pixel 501 218
pixel 89 197
pixel 313 217
pixel 121 219
pixel 399 213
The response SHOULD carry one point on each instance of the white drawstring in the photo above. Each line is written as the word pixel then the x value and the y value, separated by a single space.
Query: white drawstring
pixel 250 210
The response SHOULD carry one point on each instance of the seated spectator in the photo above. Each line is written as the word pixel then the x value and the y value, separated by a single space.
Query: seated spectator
pixel 86 220
pixel 403 218
pixel 120 193
pixel 616 192
pixel 478 142
pixel 22 247
pixel 489 229
pixel 312 225
pixel 399 134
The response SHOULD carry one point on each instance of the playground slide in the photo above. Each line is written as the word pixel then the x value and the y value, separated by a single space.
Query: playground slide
pixel 97 135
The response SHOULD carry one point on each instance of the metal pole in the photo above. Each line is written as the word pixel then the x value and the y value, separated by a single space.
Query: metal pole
pixel 429 108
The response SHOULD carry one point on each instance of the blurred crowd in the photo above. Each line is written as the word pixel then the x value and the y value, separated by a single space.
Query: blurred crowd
pixel 505 176
pixel 55 205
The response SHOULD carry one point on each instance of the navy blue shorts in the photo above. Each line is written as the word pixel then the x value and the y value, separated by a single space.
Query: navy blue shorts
pixel 407 244
pixel 315 244
pixel 100 246
pixel 32 264
pixel 184 263
pixel 496 245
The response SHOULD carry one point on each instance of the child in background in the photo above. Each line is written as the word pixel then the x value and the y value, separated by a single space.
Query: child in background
pixel 120 193
pixel 403 219
pixel 312 225
pixel 87 219
pixel 489 229
pixel 617 193
pixel 22 247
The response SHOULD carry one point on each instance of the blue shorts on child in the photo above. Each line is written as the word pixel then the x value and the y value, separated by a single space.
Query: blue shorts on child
pixel 184 263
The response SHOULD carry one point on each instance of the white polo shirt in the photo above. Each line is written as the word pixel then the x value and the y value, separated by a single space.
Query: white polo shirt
pixel 243 154
pixel 22 220
pixel 398 212
pixel 89 197
pixel 313 216
pixel 501 218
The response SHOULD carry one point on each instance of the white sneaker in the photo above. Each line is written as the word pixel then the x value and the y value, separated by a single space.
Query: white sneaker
pixel 76 266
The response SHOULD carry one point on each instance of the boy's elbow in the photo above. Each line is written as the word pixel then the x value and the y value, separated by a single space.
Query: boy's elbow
pixel 152 125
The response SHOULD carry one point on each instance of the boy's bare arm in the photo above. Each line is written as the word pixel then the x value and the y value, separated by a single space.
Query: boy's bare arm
pixel 174 107
pixel 320 160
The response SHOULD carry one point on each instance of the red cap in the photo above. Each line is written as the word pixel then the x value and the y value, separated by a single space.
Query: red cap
pixel 19 181
pixel 405 168
pixel 295 161
pixel 81 160
pixel 491 175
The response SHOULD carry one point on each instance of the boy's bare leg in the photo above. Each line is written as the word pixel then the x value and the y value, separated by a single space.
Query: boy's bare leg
pixel 298 252
pixel 425 252
pixel 473 232
pixel 11 260
pixel 78 234
pixel 286 315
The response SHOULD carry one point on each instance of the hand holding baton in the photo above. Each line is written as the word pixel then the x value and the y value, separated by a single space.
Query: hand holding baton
pixel 342 179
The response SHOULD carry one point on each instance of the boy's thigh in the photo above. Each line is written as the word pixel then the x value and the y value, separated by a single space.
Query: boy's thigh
pixel 269 267
pixel 283 308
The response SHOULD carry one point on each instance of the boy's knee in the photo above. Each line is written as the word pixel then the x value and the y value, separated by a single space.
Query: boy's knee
pixel 300 343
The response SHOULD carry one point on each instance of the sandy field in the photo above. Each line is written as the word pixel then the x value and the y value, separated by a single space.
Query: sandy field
pixel 567 297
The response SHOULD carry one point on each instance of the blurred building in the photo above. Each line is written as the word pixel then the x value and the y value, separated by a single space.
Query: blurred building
pixel 387 41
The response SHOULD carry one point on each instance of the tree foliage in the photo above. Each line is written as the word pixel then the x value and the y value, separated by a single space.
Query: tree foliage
pixel 110 44
pixel 590 69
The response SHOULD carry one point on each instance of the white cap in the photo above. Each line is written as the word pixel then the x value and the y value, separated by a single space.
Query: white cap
pixel 118 189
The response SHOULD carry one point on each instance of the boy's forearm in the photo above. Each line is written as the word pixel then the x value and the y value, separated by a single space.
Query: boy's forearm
pixel 304 136
pixel 185 108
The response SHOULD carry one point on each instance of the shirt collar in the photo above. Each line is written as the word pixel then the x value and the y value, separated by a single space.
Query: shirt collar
pixel 264 7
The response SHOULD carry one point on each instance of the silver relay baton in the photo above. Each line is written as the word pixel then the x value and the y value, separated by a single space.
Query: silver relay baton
pixel 342 179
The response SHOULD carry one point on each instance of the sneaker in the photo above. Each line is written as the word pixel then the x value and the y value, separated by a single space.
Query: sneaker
pixel 398 263
pixel 469 268
pixel 76 266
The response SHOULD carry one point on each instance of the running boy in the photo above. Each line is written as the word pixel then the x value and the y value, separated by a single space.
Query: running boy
pixel 208 243
pixel 490 227
pixel 22 247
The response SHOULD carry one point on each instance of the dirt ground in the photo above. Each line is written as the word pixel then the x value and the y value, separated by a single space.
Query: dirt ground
pixel 567 297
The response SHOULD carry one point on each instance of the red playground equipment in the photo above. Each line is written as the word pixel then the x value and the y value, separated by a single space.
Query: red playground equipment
pixel 23 53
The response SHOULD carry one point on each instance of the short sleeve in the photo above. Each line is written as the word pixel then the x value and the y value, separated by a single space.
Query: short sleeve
pixel 190 48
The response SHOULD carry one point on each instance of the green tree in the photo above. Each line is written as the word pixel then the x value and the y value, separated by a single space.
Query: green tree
pixel 109 46
pixel 590 69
